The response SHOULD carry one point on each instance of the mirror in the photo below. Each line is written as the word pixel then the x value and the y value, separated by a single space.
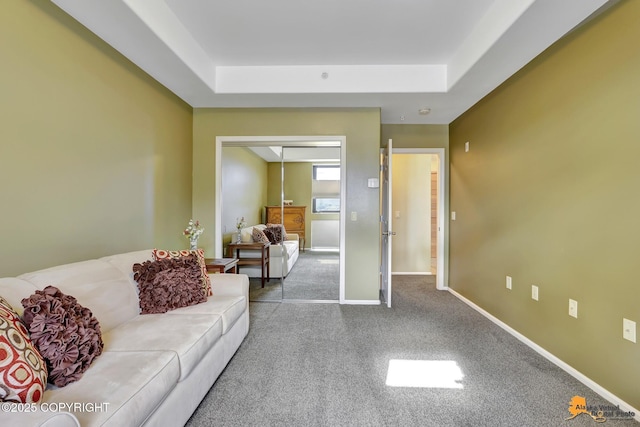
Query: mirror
pixel 287 185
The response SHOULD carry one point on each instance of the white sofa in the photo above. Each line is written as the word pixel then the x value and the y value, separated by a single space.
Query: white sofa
pixel 155 368
pixel 282 256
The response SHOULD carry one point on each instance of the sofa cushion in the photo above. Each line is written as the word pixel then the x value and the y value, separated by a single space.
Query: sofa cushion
pixel 230 308
pixel 169 283
pixel 13 290
pixel 123 262
pixel 128 385
pixel 23 372
pixel 66 334
pixel 190 336
pixel 97 285
pixel 206 281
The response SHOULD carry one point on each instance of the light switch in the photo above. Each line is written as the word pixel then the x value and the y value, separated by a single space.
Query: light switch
pixel 354 216
pixel 466 147
pixel 573 308
pixel 453 216
pixel 629 330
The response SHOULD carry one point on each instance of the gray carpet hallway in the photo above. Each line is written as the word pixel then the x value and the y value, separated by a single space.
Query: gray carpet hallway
pixel 327 365
pixel 315 276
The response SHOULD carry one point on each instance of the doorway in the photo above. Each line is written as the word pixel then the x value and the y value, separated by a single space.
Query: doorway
pixel 416 213
pixel 288 149
pixel 419 212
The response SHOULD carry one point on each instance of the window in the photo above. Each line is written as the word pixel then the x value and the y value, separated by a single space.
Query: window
pixel 325 188
pixel 326 204
pixel 326 172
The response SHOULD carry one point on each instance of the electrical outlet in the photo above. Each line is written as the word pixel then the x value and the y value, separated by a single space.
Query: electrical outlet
pixel 629 330
pixel 573 308
pixel 466 147
pixel 534 292
pixel 509 282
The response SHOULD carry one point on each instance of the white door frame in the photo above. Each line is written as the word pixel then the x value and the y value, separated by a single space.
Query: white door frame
pixel 284 141
pixel 441 208
pixel 386 222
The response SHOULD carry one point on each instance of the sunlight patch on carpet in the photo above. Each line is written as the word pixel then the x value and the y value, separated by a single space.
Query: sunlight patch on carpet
pixel 424 373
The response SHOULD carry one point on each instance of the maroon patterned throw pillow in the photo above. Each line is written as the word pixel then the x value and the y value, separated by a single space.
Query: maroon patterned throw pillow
pixel 169 283
pixel 259 236
pixel 66 334
pixel 23 371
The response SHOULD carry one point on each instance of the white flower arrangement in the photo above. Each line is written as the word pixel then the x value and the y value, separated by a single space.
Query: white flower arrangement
pixel 240 223
pixel 193 230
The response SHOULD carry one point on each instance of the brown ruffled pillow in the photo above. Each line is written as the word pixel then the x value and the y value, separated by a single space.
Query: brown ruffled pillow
pixel 206 281
pixel 281 227
pixel 275 233
pixel 66 334
pixel 169 283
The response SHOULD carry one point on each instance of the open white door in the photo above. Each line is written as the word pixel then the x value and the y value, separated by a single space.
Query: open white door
pixel 385 224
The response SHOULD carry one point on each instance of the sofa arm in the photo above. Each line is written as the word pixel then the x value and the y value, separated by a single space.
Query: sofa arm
pixel 229 284
pixel 292 236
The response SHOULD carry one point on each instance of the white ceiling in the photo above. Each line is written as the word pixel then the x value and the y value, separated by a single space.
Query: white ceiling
pixel 398 55
pixel 297 154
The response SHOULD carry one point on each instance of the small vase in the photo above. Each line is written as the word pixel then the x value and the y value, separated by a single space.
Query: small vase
pixel 239 236
pixel 193 243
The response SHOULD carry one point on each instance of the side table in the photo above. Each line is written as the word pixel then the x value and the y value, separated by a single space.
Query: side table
pixel 263 260
pixel 221 265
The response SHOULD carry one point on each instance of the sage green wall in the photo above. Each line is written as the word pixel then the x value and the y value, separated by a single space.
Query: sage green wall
pixel 297 187
pixel 548 194
pixel 244 188
pixel 416 136
pixel 95 156
pixel 362 130
pixel 274 185
pixel 411 200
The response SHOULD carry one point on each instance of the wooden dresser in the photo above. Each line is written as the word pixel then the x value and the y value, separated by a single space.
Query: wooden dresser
pixel 294 220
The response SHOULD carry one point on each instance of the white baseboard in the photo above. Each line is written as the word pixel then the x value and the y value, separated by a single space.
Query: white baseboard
pixel 361 301
pixel 553 359
pixel 412 273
